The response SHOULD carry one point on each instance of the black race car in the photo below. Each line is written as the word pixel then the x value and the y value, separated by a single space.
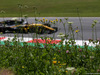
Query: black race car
pixel 21 26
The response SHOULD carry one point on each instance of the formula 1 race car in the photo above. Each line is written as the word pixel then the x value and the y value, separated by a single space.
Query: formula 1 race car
pixel 18 26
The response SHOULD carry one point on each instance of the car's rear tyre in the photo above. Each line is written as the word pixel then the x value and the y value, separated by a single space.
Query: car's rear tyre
pixel 2 30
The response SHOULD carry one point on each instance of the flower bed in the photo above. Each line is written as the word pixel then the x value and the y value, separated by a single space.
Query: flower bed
pixel 34 60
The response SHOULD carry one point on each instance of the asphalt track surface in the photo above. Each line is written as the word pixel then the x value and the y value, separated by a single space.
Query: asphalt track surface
pixel 86 22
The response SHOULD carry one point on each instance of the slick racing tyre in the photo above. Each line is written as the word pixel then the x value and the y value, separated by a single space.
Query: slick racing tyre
pixel 2 30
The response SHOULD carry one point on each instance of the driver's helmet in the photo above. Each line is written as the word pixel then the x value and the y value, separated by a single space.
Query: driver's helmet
pixel 25 22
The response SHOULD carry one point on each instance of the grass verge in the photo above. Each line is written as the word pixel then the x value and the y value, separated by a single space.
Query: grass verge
pixel 44 8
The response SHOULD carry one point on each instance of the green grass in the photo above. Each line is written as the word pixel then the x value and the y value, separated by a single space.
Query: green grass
pixel 52 8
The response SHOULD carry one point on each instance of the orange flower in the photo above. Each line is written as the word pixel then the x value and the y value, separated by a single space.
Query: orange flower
pixel 59 70
pixel 51 21
pixel 66 71
pixel 43 18
pixel 77 31
pixel 54 62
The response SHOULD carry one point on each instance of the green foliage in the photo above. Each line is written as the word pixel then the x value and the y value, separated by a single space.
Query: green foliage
pixel 50 61
pixel 81 71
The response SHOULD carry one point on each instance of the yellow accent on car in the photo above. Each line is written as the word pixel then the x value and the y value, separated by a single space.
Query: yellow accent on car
pixel 48 27
pixel 32 25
